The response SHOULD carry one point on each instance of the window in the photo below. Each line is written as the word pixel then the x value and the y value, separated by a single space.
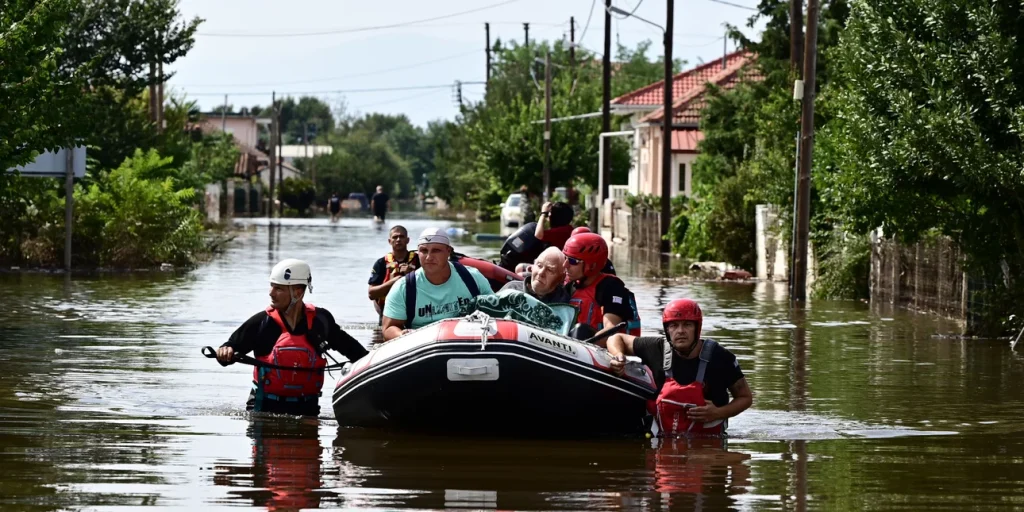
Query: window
pixel 513 200
pixel 681 178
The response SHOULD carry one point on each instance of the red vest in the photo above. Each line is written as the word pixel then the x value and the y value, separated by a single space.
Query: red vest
pixel 295 351
pixel 670 407
pixel 591 313
pixel 390 265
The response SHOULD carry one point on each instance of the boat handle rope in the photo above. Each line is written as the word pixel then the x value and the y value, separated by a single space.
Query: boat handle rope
pixel 239 358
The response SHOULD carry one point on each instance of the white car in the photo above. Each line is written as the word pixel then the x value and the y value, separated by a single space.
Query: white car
pixel 512 211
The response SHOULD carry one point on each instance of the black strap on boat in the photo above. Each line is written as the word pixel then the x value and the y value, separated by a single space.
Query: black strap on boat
pixel 239 358
pixel 410 290
pixel 605 333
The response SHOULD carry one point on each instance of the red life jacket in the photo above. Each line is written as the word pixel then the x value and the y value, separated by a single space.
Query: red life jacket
pixel 670 407
pixel 591 313
pixel 390 265
pixel 291 350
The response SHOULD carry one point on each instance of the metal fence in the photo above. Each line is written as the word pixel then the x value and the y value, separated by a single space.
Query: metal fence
pixel 925 276
pixel 645 229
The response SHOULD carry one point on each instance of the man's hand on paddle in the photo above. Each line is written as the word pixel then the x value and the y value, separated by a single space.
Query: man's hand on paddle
pixel 618 365
pixel 226 355
pixel 704 413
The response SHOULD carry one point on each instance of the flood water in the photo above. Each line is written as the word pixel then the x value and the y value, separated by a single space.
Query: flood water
pixel 106 402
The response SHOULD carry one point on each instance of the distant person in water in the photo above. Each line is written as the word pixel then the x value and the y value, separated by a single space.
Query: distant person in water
pixel 292 333
pixel 334 205
pixel 380 204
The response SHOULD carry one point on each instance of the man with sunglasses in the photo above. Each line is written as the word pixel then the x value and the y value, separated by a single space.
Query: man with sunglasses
pixel 602 299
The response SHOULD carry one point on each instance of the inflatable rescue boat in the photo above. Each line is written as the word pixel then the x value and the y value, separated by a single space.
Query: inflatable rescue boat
pixel 489 375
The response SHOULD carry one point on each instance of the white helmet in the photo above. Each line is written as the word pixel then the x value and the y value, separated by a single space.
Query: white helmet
pixel 291 272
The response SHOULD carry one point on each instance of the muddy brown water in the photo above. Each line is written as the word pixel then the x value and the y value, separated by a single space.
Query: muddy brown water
pixel 106 403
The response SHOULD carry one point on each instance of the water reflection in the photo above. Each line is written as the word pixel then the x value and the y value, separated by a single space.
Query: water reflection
pixel 285 473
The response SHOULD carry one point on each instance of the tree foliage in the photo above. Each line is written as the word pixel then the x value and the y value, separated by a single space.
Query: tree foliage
pixel 926 128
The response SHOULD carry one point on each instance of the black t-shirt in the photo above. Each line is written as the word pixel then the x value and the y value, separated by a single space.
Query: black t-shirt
pixel 335 202
pixel 722 372
pixel 259 334
pixel 613 297
pixel 379 202
pixel 380 268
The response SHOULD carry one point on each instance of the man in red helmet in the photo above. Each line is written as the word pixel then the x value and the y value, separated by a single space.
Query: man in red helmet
pixel 694 375
pixel 602 299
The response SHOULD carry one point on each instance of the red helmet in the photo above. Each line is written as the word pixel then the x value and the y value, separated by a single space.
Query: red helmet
pixel 590 248
pixel 581 229
pixel 683 309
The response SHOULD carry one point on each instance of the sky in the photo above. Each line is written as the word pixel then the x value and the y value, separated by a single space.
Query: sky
pixel 248 48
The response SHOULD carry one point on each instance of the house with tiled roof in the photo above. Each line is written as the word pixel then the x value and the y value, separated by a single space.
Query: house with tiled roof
pixel 689 96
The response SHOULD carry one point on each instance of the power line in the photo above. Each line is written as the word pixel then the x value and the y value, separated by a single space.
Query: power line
pixel 357 29
pixel 591 15
pixel 396 100
pixel 334 91
pixel 357 75
pixel 631 12
pixel 723 2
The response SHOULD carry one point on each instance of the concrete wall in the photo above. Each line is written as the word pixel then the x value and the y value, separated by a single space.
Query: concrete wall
pixel 212 202
pixel 770 244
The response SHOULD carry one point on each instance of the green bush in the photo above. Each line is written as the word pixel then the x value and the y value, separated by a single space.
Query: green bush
pixel 134 222
pixel 844 265
pixel 298 194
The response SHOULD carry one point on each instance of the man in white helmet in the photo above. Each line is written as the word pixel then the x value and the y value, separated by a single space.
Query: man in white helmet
pixel 289 333
pixel 433 292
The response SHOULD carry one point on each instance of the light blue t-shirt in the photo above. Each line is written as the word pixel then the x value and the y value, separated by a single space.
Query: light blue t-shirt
pixel 433 302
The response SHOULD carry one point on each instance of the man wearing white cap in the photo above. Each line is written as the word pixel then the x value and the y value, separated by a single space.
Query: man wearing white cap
pixel 435 291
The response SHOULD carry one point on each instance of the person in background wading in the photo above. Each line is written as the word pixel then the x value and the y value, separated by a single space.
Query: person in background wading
pixel 694 375
pixel 334 205
pixel 393 266
pixel 289 333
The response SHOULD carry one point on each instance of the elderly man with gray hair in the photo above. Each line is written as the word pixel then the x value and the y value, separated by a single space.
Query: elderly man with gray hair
pixel 546 278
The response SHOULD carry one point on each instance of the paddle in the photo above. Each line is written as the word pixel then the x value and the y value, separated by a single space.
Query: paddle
pixel 239 358
pixel 605 333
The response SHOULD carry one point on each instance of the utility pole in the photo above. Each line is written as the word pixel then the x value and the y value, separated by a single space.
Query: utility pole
pixel 547 126
pixel 572 43
pixel 796 34
pixel 606 102
pixel 487 50
pixel 69 203
pixel 280 167
pixel 224 116
pixel 803 220
pixel 272 164
pixel 160 99
pixel 526 34
pixel 725 49
pixel 666 135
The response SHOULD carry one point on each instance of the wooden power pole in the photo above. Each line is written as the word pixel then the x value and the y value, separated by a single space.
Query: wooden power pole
pixel 272 146
pixel 803 194
pixel 666 136
pixel 487 50
pixel 547 126
pixel 606 102
pixel 572 43
pixel 796 33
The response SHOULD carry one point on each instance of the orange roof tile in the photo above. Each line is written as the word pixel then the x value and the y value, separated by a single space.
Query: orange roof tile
pixel 653 95
pixel 687 107
pixel 685 141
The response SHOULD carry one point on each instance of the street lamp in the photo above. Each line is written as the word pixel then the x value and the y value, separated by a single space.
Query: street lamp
pixel 666 135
